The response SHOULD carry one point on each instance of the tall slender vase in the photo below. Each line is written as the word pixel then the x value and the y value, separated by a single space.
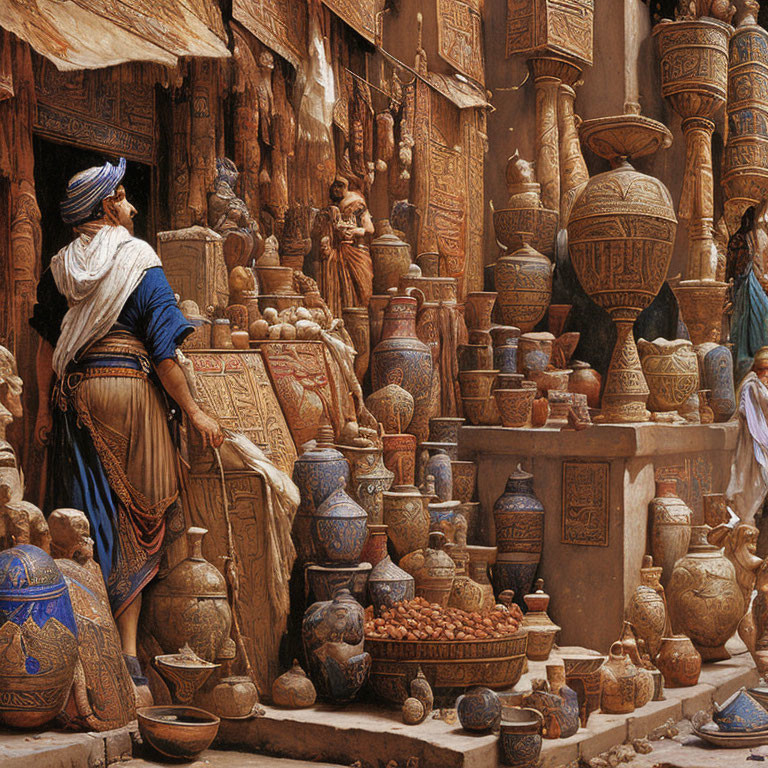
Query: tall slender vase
pixel 400 358
pixel 670 527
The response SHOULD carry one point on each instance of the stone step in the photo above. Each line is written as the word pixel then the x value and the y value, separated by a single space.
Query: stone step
pixel 223 759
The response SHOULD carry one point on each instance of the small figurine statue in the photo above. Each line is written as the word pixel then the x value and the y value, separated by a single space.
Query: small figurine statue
pixel 229 216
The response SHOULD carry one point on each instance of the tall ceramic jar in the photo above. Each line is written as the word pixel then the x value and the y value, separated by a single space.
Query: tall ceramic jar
pixel 39 634
pixel 391 257
pixel 519 519
pixel 671 370
pixel 647 613
pixel 716 364
pixel 400 358
pixel 189 606
pixel 670 527
pixel 619 683
pixel 523 282
pixel 704 598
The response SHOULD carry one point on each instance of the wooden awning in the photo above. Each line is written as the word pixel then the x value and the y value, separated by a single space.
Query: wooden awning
pixel 90 34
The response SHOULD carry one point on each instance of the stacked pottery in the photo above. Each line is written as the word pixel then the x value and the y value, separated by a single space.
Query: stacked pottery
pixel 389 584
pixel 369 478
pixel 671 371
pixel 542 631
pixel 519 520
pixel 316 473
pixel 477 396
pixel 704 598
pixel 401 358
pixel 432 569
pixel 670 526
pixel 505 347
pixel 333 634
pixel 474 357
pixel 391 258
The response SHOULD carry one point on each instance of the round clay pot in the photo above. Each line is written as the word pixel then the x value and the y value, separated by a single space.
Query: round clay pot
pixel 479 709
pixel 391 257
pixel 671 370
pixel 586 381
pixel 407 519
pixel 515 406
pixel 358 326
pixel 670 527
pixel 445 429
pixel 523 280
pixel 520 737
pixel 504 335
pixel 293 689
pixel 477 383
pixel 400 458
pixel 678 661
pixel 392 407
pixel 478 307
pixel 481 411
pixel 619 683
pixel 464 477
pixel 474 357
pixel 704 598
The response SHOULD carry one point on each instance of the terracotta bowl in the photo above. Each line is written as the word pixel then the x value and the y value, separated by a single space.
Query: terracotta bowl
pixel 481 411
pixel 515 406
pixel 177 731
pixel 477 383
pixel 464 477
pixel 275 279
pixel 550 380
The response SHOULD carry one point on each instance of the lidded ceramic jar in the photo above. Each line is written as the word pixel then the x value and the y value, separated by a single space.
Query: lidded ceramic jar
pixel 523 280
pixel 391 257
pixel 317 471
pixel 432 569
pixel 190 604
pixel 542 631
pixel 519 520
pixel 704 597
pixel 619 683
pixel 401 358
pixel 670 526
pixel 389 584
pixel 293 689
pixel 671 370
pixel 392 407
pixel 340 528
pixel 39 632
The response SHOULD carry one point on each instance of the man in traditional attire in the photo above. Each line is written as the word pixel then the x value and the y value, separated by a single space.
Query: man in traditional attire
pixel 107 372
pixel 749 472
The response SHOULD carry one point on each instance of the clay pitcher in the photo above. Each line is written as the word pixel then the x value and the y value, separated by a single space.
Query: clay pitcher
pixel 391 257
pixel 619 683
pixel 704 597
pixel 359 329
pixel 39 638
pixel 670 527
pixel 189 606
pixel 401 358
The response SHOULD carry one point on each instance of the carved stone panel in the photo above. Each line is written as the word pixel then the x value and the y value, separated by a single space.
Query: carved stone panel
pixel 557 26
pixel 460 36
pixel 585 503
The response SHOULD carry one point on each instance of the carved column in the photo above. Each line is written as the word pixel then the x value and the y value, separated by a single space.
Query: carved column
pixel 547 84
pixel 202 145
pixel 573 169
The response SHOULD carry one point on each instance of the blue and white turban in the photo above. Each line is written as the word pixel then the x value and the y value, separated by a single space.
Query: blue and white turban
pixel 88 188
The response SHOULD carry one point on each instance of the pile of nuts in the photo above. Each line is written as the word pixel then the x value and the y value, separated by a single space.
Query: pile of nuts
pixel 418 619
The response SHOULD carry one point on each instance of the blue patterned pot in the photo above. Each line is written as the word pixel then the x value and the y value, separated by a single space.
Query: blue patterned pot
pixel 333 633
pixel 717 373
pixel 519 521
pixel 439 466
pixel 40 638
pixel 340 527
pixel 740 714
pixel 389 584
pixel 520 738
pixel 505 358
pixel 479 709
pixel 318 470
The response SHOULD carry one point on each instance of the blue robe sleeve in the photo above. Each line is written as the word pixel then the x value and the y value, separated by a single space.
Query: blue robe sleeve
pixel 161 325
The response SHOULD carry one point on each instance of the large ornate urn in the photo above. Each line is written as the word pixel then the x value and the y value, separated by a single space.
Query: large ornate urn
pixel 705 601
pixel 620 234
pixel 189 606
pixel 38 650
pixel 693 56
pixel 745 158
pixel 401 358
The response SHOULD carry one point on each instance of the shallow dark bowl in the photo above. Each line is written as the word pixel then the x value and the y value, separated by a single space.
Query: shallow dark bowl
pixel 177 731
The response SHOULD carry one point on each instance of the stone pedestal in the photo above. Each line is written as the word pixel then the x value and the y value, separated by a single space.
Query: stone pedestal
pixel 595 486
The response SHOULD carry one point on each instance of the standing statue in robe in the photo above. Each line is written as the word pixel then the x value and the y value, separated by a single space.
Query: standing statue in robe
pixel 108 380
pixel 748 485
pixel 343 267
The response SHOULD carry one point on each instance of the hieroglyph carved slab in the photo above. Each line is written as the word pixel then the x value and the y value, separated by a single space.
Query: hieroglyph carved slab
pixel 359 14
pixel 460 36
pixel 585 503
pixel 279 24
